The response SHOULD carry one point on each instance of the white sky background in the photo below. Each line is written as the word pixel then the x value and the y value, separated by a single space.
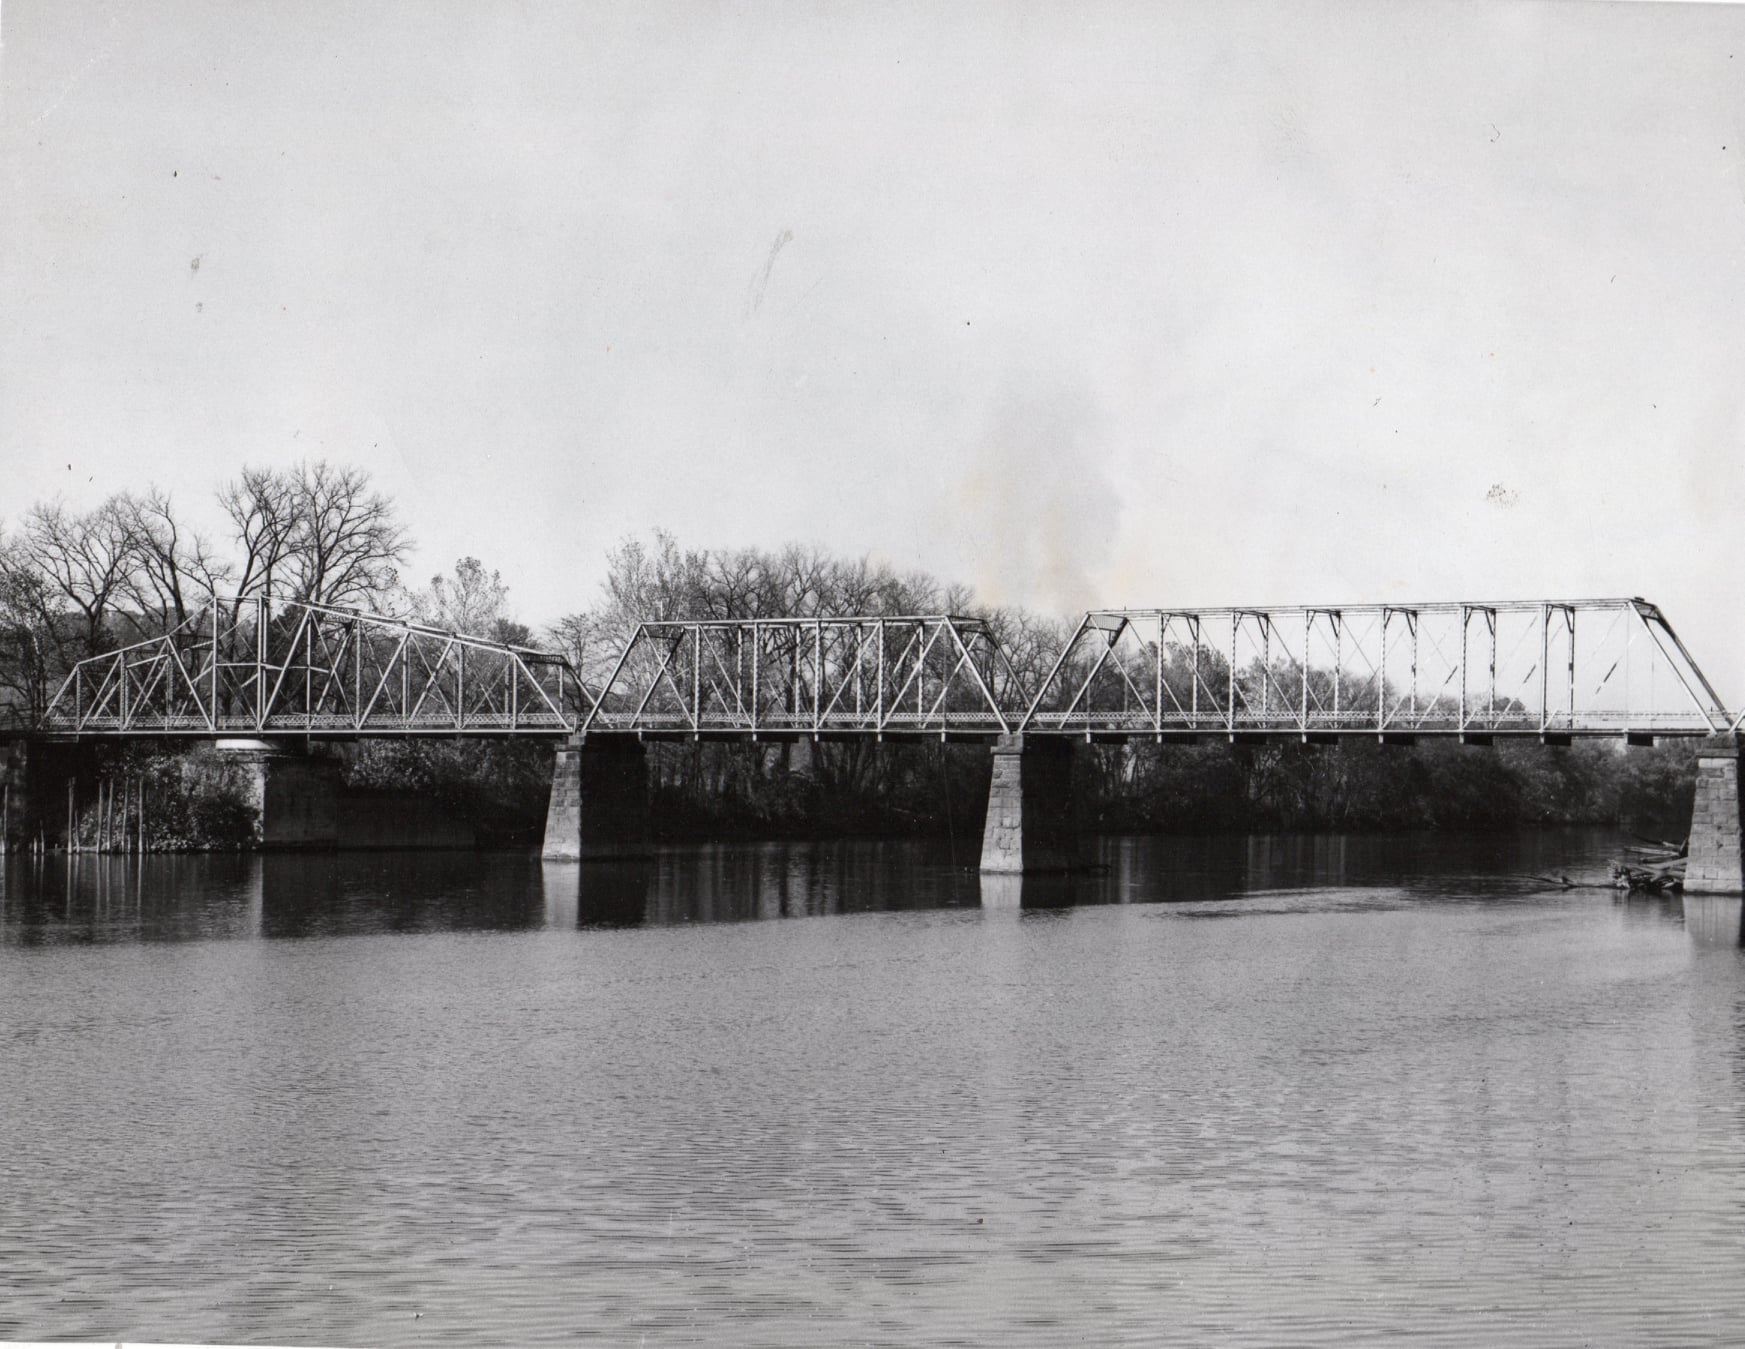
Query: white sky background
pixel 1082 303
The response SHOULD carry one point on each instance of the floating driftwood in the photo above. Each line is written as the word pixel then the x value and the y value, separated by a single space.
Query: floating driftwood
pixel 1657 868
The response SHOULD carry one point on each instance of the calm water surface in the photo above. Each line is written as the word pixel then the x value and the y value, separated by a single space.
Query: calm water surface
pixel 1246 1092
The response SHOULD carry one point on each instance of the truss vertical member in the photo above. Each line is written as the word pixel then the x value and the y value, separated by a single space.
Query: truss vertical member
pixel 1549 669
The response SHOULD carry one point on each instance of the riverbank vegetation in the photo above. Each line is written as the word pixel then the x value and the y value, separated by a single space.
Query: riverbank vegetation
pixel 78 583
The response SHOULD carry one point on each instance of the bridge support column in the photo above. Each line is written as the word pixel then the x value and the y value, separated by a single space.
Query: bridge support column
pixel 1032 824
pixel 1715 866
pixel 295 796
pixel 599 801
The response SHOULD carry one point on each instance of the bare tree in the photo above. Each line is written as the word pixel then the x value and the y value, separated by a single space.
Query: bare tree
pixel 83 559
pixel 349 545
pixel 24 658
pixel 314 533
pixel 259 504
pixel 174 572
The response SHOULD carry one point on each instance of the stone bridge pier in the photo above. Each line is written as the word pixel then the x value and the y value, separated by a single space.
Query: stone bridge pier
pixel 1032 821
pixel 1714 866
pixel 599 800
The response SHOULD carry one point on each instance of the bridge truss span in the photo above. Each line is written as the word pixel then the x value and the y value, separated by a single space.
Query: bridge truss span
pixel 932 674
pixel 253 666
pixel 1552 669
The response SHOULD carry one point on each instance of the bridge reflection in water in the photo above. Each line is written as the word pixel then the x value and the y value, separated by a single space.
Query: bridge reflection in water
pixel 96 898
pixel 1715 921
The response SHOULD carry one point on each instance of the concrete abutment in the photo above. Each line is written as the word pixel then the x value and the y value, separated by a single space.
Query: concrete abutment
pixel 599 801
pixel 1032 820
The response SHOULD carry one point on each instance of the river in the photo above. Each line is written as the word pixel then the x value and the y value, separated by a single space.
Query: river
pixel 1233 1091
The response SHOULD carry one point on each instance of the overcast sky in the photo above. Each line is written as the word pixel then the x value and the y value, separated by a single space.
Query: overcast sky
pixel 1081 303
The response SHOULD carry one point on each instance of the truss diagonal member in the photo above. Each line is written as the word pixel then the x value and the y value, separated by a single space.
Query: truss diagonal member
pixel 1236 676
pixel 478 696
pixel 611 680
pixel 382 681
pixel 987 693
pixel 1643 612
pixel 71 680
pixel 733 682
pixel 210 718
pixel 890 696
pixel 540 689
pixel 1127 679
pixel 673 645
pixel 1600 646
pixel 1211 693
pixel 848 673
pixel 335 670
pixel 927 634
pixel 716 695
pixel 105 695
pixel 156 667
pixel 1164 690
pixel 693 703
pixel 1268 679
pixel 432 680
pixel 264 712
pixel 944 692
pixel 1085 684
pixel 109 689
pixel 1014 682
pixel 1360 636
pixel 183 706
pixel 1054 670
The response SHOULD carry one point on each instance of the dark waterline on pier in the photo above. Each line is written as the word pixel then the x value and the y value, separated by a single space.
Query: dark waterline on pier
pixel 1311 1090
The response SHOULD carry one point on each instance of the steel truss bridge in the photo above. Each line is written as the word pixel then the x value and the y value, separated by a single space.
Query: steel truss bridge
pixel 1546 669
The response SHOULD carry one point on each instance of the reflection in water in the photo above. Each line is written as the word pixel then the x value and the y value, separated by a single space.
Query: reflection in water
pixel 1044 891
pixel 1334 1091
pixel 90 897
pixel 342 894
pixel 1715 921
pixel 1002 892
pixel 94 898
pixel 596 894
pixel 796 880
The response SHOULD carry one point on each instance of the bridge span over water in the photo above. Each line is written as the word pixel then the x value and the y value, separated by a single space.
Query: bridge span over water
pixel 1552 669
pixel 289 674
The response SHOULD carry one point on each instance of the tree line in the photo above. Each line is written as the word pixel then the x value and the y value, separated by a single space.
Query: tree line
pixel 76 583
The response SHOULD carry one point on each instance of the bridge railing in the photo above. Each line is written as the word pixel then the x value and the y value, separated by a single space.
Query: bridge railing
pixel 257 666
pixel 1549 668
